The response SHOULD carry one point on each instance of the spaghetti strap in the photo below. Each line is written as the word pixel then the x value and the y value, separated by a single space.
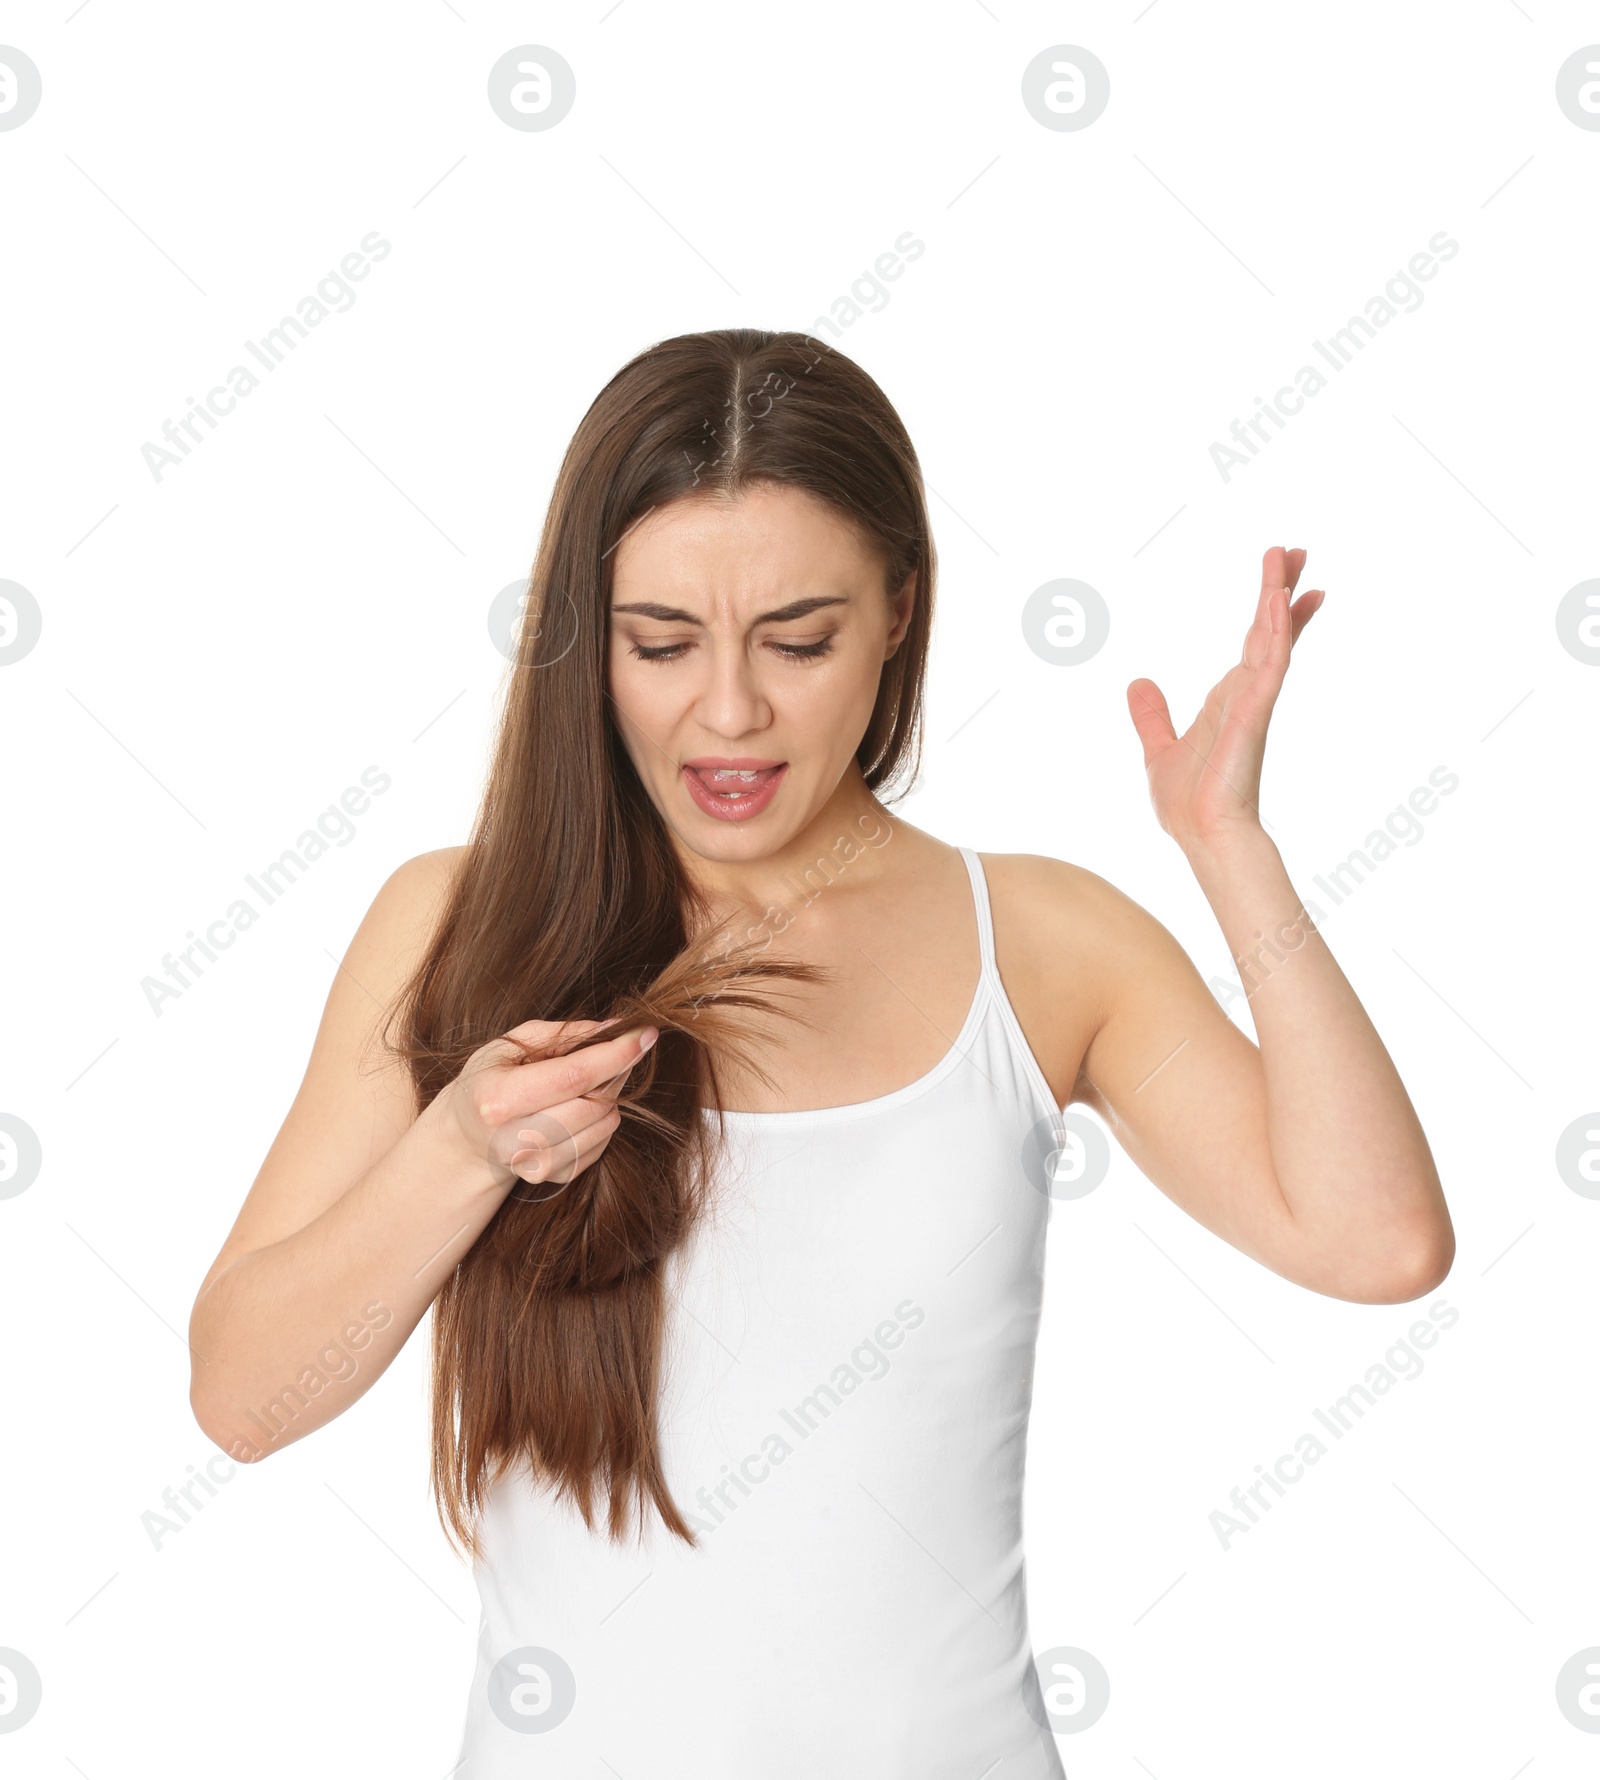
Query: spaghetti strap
pixel 980 899
pixel 1021 1050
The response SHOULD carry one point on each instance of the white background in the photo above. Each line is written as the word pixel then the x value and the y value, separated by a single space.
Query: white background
pixel 226 649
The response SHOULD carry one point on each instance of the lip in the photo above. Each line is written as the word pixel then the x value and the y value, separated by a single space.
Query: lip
pixel 733 809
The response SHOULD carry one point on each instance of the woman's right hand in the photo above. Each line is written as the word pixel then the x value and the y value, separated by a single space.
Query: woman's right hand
pixel 547 1121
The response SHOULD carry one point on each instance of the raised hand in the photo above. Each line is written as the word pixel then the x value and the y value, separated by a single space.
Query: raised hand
pixel 1206 783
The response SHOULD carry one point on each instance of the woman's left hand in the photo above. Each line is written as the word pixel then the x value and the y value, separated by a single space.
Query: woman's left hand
pixel 1206 783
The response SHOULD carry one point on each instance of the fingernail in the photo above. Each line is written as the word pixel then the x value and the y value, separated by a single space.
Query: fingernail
pixel 648 1038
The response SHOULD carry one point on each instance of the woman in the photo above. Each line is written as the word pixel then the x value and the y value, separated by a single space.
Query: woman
pixel 730 1406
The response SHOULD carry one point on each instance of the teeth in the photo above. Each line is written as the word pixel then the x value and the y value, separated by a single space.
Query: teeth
pixel 743 779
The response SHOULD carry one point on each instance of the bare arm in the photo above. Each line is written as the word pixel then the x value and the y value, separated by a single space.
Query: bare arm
pixel 362 1208
pixel 1305 1152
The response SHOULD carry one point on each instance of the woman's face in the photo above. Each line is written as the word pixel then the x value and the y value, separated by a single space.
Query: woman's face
pixel 747 634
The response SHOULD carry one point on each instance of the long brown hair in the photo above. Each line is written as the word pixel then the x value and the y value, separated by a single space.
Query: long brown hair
pixel 570 903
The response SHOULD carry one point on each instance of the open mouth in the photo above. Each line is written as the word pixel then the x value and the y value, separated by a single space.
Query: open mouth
pixel 733 793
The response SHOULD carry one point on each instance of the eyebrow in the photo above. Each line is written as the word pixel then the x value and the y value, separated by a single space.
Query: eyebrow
pixel 801 608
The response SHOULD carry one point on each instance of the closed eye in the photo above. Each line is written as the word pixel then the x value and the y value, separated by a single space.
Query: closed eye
pixel 791 651
pixel 805 651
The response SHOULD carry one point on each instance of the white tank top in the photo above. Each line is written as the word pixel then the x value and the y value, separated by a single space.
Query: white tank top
pixel 847 1377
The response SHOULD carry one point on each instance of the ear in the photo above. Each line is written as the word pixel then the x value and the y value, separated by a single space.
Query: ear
pixel 902 604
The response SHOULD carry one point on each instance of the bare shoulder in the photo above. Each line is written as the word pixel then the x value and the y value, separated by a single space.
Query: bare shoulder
pixel 404 915
pixel 1067 941
pixel 392 940
pixel 423 881
pixel 394 937
pixel 1059 913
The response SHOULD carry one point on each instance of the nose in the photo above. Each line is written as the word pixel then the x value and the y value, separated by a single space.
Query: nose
pixel 730 701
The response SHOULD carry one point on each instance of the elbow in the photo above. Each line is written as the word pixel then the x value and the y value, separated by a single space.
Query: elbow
pixel 212 1397
pixel 220 1431
pixel 222 1425
pixel 1394 1266
pixel 1413 1269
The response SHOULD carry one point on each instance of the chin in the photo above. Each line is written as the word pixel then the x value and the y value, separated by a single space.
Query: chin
pixel 734 840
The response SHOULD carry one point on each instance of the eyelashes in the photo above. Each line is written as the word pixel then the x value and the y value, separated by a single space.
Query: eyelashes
pixel 792 651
